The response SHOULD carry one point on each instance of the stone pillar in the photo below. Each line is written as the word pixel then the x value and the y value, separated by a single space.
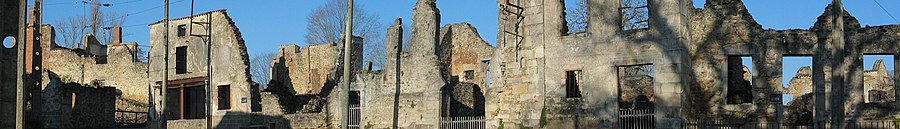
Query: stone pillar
pixel 424 72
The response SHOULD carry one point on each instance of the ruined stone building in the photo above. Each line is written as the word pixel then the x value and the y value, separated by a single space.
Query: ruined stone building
pixel 211 52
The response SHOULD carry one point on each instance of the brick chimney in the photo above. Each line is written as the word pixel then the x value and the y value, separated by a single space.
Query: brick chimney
pixel 117 35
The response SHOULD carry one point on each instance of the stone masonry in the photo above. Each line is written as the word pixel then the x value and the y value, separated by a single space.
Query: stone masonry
pixel 230 66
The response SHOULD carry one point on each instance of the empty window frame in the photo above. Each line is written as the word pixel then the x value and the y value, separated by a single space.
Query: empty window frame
pixel 635 14
pixel 224 97
pixel 636 86
pixel 573 84
pixel 740 89
pixel 182 30
pixel 878 78
pixel 796 78
pixel 181 60
pixel 576 16
pixel 186 101
pixel 469 75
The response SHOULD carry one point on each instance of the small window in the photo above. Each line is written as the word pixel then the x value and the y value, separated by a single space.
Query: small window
pixel 740 87
pixel 181 60
pixel 576 16
pixel 224 97
pixel 470 75
pixel 796 72
pixel 635 14
pixel 573 85
pixel 182 30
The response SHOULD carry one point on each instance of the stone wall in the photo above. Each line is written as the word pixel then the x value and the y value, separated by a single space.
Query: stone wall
pixel 307 70
pixel 229 61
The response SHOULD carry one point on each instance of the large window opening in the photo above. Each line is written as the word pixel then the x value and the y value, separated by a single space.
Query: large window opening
pixel 224 97
pixel 573 84
pixel 797 93
pixel 636 96
pixel 636 87
pixel 878 78
pixel 635 14
pixel 740 84
pixel 576 16
pixel 181 60
pixel 186 102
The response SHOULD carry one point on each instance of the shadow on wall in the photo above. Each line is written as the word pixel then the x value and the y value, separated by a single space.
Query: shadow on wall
pixel 462 99
pixel 242 120
pixel 304 103
pixel 72 105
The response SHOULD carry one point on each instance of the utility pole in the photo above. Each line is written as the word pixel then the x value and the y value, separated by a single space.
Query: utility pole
pixel 209 70
pixel 838 75
pixel 165 77
pixel 20 67
pixel 345 76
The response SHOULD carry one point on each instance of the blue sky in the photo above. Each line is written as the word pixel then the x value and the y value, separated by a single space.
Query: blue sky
pixel 265 25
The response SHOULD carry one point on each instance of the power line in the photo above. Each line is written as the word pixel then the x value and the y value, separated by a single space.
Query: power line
pixel 885 11
pixel 145 10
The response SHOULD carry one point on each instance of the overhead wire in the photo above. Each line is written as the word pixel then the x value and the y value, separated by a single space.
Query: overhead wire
pixel 885 11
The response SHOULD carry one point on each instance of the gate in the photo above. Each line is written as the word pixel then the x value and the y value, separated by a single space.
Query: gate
pixel 636 119
pixel 466 122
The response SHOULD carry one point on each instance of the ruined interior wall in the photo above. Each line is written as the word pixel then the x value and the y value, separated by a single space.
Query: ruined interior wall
pixel 464 50
pixel 305 70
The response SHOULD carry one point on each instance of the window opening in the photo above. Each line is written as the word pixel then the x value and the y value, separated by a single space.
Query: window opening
pixel 573 84
pixel 635 14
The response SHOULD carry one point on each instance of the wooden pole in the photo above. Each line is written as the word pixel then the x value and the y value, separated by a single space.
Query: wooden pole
pixel 345 77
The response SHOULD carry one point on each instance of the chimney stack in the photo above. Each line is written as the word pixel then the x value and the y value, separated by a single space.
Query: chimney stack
pixel 117 35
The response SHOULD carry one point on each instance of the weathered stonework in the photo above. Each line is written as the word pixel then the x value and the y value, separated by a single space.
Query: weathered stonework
pixel 229 62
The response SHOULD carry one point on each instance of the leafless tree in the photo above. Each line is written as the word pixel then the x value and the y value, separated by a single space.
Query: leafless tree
pixel 71 31
pixel 260 68
pixel 635 14
pixel 326 25
pixel 576 16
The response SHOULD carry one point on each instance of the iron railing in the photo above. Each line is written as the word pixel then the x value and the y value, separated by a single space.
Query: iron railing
pixel 719 124
pixel 465 122
pixel 131 118
pixel 354 117
pixel 636 119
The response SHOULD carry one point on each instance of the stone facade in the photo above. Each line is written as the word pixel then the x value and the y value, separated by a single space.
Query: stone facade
pixel 229 62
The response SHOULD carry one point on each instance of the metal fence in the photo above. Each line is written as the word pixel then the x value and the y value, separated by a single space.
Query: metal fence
pixel 354 117
pixel 466 122
pixel 131 118
pixel 718 124
pixel 636 119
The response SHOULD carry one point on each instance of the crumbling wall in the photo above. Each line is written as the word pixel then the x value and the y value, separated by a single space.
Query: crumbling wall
pixel 464 50
pixel 725 28
pixel 120 72
pixel 530 89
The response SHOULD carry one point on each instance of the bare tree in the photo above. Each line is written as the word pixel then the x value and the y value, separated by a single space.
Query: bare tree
pixel 72 30
pixel 635 14
pixel 260 68
pixel 576 16
pixel 326 25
